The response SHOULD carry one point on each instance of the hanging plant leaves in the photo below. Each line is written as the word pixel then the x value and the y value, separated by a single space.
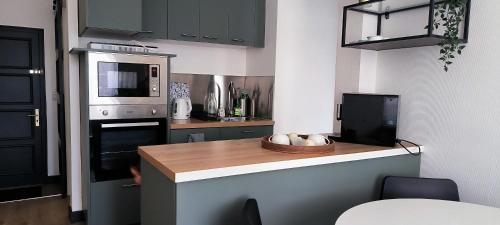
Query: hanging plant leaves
pixel 451 13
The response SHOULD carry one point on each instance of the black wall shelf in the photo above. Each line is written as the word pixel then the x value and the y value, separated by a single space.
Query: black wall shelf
pixel 383 10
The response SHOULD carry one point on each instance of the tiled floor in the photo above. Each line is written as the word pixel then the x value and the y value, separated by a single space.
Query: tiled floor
pixel 45 211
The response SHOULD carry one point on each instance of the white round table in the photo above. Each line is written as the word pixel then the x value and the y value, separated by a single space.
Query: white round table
pixel 419 212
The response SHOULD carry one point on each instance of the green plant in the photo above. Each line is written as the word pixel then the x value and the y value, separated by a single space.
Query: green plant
pixel 450 14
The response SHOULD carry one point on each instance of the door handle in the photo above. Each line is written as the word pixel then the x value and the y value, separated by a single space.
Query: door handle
pixel 36 116
pixel 36 72
pixel 248 132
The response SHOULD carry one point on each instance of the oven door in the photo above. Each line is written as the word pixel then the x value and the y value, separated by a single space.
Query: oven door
pixel 114 145
pixel 127 79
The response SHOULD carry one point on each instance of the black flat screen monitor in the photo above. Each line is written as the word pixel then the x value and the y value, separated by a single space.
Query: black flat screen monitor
pixel 369 119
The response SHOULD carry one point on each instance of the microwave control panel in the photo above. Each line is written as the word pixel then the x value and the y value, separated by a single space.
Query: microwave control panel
pixel 154 80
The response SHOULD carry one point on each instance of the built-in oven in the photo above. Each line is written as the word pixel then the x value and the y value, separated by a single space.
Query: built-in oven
pixel 127 103
pixel 114 145
pixel 127 79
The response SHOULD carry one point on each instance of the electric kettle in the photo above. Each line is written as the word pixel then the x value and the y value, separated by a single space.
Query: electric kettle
pixel 182 109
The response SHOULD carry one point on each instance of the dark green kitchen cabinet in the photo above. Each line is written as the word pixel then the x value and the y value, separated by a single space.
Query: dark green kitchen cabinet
pixel 115 202
pixel 246 22
pixel 236 22
pixel 184 20
pixel 233 133
pixel 241 22
pixel 214 21
pixel 182 135
pixel 155 18
pixel 110 16
pixel 224 133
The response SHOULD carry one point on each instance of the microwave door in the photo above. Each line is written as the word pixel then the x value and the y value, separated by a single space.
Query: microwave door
pixel 123 80
pixel 115 79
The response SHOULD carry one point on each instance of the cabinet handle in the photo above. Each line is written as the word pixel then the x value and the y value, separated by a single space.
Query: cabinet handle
pixel 210 37
pixel 142 32
pixel 247 131
pixel 237 40
pixel 130 185
pixel 188 35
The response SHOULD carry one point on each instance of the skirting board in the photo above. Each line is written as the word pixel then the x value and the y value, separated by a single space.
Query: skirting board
pixel 52 179
pixel 76 216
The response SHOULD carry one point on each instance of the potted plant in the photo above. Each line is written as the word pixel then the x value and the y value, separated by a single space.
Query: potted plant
pixel 449 14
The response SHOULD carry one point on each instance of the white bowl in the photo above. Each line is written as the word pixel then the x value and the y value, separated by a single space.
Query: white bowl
pixel 318 139
pixel 280 139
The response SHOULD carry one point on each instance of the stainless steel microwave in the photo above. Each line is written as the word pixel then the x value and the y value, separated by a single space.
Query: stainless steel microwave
pixel 127 79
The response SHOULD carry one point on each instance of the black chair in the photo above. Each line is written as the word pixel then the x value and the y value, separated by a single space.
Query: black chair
pixel 412 187
pixel 251 215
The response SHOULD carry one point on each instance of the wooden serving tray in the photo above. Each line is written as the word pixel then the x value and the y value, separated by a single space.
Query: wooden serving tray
pixel 292 149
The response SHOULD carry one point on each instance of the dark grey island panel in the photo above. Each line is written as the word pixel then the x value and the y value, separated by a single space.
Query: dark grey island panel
pixel 314 195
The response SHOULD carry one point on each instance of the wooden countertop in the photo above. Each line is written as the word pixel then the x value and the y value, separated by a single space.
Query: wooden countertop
pixel 195 123
pixel 206 160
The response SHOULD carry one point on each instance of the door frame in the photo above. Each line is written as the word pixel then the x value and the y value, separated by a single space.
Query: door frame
pixel 43 102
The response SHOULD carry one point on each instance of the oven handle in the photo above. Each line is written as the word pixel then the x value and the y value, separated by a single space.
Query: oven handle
pixel 115 153
pixel 118 125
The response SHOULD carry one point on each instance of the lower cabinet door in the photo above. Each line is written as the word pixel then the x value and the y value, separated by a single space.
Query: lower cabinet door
pixel 114 202
pixel 232 133
pixel 182 135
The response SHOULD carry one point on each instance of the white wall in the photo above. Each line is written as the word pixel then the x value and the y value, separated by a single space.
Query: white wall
pixel 305 66
pixel 456 115
pixel 72 107
pixel 38 14
pixel 262 61
pixel 356 69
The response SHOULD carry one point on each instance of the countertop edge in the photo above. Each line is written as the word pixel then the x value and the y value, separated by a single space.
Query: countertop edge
pixel 170 174
pixel 281 165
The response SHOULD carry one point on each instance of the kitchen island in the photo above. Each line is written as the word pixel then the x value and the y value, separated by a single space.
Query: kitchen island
pixel 208 183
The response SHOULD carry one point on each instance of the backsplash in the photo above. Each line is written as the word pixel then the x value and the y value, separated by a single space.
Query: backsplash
pixel 260 88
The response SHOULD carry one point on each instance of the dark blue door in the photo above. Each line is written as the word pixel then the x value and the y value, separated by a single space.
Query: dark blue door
pixel 22 117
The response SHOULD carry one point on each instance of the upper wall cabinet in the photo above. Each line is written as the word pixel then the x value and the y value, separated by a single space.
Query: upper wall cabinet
pixel 110 17
pixel 241 17
pixel 214 21
pixel 246 22
pixel 235 22
pixel 184 20
pixel 155 18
